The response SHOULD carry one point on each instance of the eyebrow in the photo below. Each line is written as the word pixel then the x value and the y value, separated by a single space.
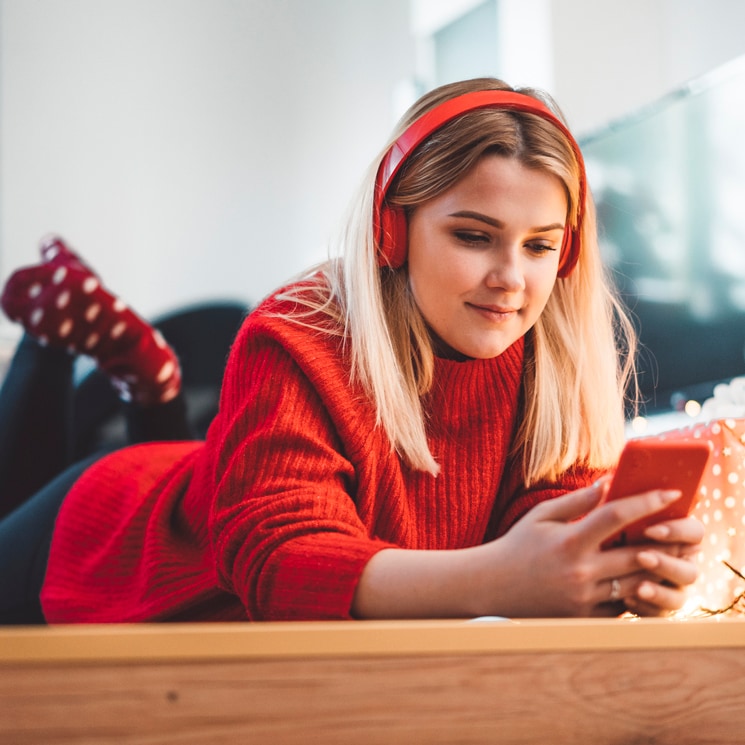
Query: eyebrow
pixel 499 224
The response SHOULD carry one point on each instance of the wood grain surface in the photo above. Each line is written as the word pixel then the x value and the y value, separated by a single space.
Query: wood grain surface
pixel 556 682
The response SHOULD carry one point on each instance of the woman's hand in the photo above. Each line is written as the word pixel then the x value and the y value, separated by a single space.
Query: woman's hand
pixel 670 562
pixel 549 564
pixel 559 569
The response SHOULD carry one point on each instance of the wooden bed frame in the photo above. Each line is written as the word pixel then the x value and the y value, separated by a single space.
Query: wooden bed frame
pixel 621 682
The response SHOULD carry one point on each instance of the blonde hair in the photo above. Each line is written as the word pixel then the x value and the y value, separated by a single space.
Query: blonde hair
pixel 579 356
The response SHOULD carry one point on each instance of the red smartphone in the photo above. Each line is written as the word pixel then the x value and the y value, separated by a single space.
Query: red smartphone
pixel 657 463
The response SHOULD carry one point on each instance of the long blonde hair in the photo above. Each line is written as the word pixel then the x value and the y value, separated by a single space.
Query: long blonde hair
pixel 579 356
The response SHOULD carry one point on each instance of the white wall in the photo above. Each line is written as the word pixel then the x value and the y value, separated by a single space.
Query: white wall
pixel 191 148
pixel 206 148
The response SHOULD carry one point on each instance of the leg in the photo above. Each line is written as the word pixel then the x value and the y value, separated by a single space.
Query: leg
pixel 63 304
pixel 25 538
pixel 35 421
pixel 166 421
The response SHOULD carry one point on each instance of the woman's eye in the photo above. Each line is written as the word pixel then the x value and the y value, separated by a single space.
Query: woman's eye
pixel 465 236
pixel 541 248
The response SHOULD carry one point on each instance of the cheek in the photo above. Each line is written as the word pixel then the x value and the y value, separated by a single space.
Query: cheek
pixel 435 282
pixel 432 290
pixel 450 269
pixel 424 284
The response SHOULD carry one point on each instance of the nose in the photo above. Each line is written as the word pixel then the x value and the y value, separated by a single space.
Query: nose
pixel 506 271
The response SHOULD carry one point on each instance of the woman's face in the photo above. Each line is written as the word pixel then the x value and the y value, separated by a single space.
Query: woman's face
pixel 483 256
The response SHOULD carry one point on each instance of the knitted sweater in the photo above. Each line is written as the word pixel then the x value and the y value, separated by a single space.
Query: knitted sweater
pixel 276 515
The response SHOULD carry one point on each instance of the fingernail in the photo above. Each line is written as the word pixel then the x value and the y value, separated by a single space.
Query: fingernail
pixel 645 591
pixel 657 532
pixel 648 559
pixel 601 483
pixel 670 495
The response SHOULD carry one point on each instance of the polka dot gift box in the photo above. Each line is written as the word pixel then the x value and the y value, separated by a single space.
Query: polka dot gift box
pixel 721 508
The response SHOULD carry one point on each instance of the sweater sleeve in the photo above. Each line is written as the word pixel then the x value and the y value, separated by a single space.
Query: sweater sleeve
pixel 285 530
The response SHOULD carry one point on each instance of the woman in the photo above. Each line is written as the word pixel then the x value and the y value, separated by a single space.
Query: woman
pixel 414 430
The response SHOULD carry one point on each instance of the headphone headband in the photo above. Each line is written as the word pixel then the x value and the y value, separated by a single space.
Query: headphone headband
pixel 390 224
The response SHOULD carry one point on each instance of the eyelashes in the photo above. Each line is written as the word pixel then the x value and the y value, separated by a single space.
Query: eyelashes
pixel 475 239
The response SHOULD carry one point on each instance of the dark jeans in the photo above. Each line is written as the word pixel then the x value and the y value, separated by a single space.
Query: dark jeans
pixel 36 472
pixel 25 538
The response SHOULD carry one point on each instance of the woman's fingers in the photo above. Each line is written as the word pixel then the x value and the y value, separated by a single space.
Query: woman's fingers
pixel 611 517
pixel 602 522
pixel 670 569
pixel 640 608
pixel 567 534
pixel 573 505
pixel 654 578
pixel 616 589
pixel 662 588
pixel 687 530
pixel 653 598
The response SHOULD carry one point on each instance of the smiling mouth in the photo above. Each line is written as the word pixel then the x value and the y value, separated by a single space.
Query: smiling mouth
pixel 494 311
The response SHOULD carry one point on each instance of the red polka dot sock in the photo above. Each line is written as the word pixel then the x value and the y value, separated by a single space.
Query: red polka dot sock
pixel 62 303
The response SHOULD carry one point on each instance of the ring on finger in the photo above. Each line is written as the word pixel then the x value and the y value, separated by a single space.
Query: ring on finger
pixel 615 589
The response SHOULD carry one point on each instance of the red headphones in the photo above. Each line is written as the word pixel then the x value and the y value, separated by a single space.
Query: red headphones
pixel 390 224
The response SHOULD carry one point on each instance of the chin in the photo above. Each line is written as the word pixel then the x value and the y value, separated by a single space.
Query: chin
pixel 482 353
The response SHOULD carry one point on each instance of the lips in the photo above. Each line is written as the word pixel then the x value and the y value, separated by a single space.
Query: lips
pixel 494 310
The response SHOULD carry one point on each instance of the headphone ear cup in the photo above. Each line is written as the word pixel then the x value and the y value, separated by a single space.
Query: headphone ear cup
pixel 392 237
pixel 570 254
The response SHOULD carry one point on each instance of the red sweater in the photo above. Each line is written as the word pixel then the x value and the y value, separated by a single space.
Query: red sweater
pixel 295 489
